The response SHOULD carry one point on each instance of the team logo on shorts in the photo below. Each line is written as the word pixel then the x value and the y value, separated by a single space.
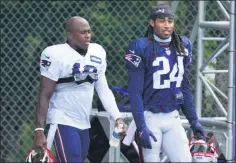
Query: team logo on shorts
pixel 134 59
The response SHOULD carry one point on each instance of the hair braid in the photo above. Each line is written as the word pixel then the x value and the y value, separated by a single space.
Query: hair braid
pixel 178 43
pixel 149 35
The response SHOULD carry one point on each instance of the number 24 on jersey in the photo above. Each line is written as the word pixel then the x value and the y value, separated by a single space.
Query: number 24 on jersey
pixel 166 70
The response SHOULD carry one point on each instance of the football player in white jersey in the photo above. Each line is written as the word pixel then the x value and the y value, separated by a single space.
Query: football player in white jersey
pixel 69 74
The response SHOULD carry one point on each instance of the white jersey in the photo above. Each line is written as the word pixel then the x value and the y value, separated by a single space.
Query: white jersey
pixel 71 103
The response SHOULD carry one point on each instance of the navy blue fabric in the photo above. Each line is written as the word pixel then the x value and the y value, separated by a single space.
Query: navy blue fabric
pixel 161 11
pixel 188 107
pixel 71 144
pixel 120 90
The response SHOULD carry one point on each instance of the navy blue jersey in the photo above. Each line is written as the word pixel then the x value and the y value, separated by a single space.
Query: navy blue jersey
pixel 158 83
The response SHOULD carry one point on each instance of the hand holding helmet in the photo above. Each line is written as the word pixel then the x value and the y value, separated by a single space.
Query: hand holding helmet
pixel 40 141
pixel 198 130
pixel 44 156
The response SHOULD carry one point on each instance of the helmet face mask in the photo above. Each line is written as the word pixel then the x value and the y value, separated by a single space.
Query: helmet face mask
pixel 203 150
pixel 44 156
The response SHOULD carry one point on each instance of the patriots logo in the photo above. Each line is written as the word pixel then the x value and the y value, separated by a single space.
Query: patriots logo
pixel 134 59
pixel 46 64
pixel 160 10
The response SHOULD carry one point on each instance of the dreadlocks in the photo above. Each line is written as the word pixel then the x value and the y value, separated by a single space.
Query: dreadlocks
pixel 176 40
pixel 178 43
pixel 149 35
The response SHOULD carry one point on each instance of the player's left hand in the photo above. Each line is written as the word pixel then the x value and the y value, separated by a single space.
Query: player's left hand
pixel 198 130
pixel 144 135
pixel 124 127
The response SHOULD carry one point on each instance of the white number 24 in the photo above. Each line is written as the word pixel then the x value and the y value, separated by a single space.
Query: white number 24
pixel 166 69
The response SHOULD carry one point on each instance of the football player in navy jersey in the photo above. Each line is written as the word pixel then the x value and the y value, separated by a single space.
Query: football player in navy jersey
pixel 158 87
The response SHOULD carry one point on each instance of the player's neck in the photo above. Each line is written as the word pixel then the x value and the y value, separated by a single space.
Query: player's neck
pixel 79 50
pixel 162 41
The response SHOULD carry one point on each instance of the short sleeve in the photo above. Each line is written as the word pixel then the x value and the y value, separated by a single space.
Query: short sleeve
pixel 133 57
pixel 104 60
pixel 49 65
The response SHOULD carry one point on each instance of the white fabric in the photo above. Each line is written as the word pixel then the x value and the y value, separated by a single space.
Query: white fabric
pixel 51 135
pixel 158 39
pixel 71 104
pixel 171 138
pixel 130 136
pixel 106 96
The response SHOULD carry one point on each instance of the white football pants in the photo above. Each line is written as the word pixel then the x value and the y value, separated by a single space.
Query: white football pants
pixel 171 137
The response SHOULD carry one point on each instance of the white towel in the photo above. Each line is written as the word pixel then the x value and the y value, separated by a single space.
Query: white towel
pixel 129 138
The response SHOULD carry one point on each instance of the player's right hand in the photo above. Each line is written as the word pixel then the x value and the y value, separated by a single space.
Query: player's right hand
pixel 144 136
pixel 40 141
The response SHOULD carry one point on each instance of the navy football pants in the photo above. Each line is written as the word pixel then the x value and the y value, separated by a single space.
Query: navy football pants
pixel 71 144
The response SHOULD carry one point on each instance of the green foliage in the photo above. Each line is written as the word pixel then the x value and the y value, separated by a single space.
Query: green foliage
pixel 25 142
pixel 30 44
pixel 208 46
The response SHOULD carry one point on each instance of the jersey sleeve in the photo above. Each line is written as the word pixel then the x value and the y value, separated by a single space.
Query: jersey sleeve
pixel 135 66
pixel 107 97
pixel 100 59
pixel 49 66
pixel 104 93
pixel 188 107
pixel 133 56
pixel 104 60
pixel 188 51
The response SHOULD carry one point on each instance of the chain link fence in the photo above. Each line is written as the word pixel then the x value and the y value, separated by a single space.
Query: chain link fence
pixel 27 27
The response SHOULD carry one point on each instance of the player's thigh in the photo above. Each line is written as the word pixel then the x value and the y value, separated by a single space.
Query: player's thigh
pixel 175 143
pixel 67 144
pixel 85 140
pixel 153 155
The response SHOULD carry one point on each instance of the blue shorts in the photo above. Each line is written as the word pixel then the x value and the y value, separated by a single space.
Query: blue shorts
pixel 71 144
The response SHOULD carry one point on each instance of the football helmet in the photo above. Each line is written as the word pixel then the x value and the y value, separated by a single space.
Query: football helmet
pixel 203 150
pixel 44 156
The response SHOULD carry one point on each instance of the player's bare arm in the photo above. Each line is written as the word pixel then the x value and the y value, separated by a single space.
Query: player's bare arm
pixel 47 87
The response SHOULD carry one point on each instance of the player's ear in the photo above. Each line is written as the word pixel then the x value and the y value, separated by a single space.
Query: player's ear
pixel 69 35
pixel 151 22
